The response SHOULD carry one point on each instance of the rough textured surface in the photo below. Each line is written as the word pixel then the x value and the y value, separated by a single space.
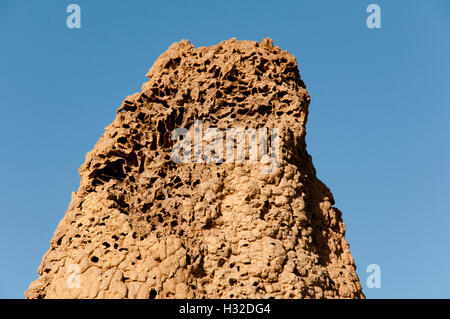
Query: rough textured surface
pixel 141 226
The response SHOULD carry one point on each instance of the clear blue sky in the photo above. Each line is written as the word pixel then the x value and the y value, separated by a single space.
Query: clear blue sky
pixel 378 129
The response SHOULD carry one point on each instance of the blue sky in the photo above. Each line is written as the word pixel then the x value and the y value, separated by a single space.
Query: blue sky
pixel 378 129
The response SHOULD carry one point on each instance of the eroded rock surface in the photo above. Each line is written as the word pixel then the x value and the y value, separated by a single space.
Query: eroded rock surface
pixel 142 226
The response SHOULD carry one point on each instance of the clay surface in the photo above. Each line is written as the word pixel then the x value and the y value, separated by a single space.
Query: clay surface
pixel 142 226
